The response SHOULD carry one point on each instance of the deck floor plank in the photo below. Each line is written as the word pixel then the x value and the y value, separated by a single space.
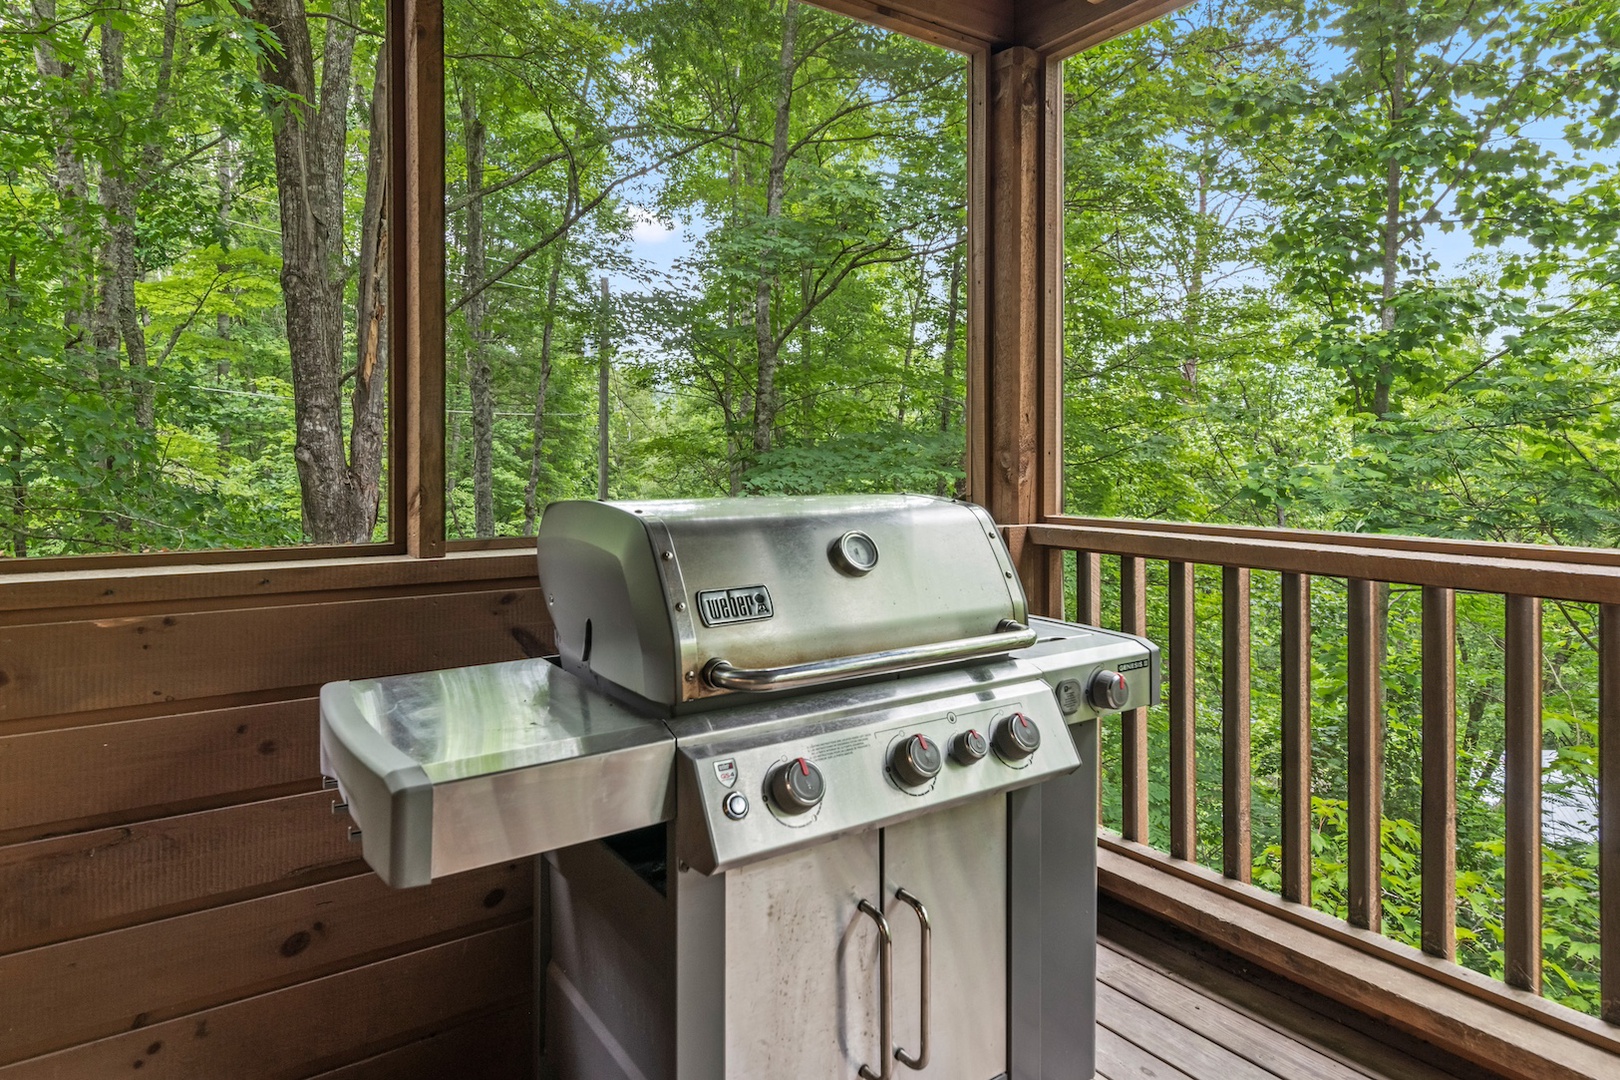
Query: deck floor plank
pixel 1164 1012
pixel 1215 1019
pixel 1187 1049
pixel 1120 1059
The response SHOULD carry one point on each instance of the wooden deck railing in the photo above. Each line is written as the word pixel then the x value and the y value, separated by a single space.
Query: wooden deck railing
pixel 1523 575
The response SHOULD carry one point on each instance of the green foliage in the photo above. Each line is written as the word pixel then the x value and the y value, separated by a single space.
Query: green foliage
pixel 190 445
pixel 669 110
pixel 1350 266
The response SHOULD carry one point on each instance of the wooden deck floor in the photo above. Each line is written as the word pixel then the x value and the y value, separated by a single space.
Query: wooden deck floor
pixel 1170 1007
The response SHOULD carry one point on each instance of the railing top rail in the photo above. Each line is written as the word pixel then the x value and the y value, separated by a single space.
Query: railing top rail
pixel 1489 549
pixel 1578 574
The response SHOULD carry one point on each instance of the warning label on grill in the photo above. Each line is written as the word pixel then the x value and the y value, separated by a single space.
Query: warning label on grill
pixel 746 603
pixel 840 747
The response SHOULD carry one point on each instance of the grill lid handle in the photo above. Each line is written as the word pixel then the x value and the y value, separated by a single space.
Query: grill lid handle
pixel 1009 635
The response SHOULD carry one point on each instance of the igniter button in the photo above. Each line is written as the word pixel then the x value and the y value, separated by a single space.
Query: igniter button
pixel 735 805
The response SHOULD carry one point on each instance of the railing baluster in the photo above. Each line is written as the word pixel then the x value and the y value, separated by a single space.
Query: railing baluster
pixel 1365 765
pixel 1296 738
pixel 1088 612
pixel 1440 772
pixel 1236 843
pixel 1133 749
pixel 1183 642
pixel 1088 588
pixel 1609 809
pixel 1521 922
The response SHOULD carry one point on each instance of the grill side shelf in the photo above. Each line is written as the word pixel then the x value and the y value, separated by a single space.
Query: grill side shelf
pixel 452 770
pixel 390 796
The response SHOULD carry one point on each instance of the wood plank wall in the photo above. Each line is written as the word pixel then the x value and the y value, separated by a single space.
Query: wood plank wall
pixel 176 896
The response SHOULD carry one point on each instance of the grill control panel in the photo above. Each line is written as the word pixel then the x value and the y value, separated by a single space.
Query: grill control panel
pixel 826 779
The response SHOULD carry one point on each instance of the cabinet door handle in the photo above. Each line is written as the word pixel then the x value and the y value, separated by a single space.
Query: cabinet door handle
pixel 921 1060
pixel 885 995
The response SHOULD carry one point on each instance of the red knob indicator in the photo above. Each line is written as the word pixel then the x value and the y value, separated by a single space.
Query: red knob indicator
pixel 1017 737
pixel 797 786
pixel 916 760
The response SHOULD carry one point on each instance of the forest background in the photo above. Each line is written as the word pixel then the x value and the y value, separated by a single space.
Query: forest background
pixel 1342 266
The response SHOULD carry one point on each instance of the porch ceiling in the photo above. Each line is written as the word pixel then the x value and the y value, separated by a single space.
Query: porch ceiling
pixel 1048 26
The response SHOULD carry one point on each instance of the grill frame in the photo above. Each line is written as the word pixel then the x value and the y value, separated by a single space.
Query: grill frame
pixel 671 968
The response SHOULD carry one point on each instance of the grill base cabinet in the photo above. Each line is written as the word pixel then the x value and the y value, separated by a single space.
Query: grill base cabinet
pixel 770 844
pixel 778 968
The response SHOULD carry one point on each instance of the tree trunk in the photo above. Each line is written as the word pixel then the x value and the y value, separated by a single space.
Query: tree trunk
pixel 225 178
pixel 72 190
pixel 808 396
pixel 339 506
pixel 604 366
pixel 531 500
pixel 19 499
pixel 911 340
pixel 1392 229
pixel 123 178
pixel 953 313
pixel 142 376
pixel 116 261
pixel 480 377
pixel 19 484
pixel 369 398
pixel 775 185
pixel 735 461
pixel 1195 285
pixel 1391 269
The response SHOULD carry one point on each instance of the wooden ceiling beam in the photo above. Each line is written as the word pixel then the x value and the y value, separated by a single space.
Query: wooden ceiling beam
pixel 1064 27
pixel 964 25
pixel 1050 27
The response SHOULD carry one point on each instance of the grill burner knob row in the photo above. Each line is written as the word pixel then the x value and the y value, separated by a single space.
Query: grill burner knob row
pixel 797 786
pixel 1108 691
pixel 1017 737
pixel 916 761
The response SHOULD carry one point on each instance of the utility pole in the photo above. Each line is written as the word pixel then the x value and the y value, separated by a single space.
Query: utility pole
pixel 604 365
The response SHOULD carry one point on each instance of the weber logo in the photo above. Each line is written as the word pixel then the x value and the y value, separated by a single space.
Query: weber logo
pixel 744 604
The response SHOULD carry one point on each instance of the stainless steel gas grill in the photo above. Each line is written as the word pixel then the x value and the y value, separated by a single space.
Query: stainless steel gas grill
pixel 816 797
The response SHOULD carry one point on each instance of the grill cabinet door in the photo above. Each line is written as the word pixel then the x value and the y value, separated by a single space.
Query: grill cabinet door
pixel 802 964
pixel 955 863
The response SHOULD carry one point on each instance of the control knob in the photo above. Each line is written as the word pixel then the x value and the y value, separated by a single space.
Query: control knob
pixel 916 760
pixel 1017 737
pixel 969 747
pixel 1108 691
pixel 797 786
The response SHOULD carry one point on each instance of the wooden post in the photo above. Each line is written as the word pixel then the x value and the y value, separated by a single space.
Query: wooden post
pixel 1183 642
pixel 1088 588
pixel 1014 364
pixel 1296 738
pixel 1609 808
pixel 604 367
pixel 416 281
pixel 1521 796
pixel 1237 858
pixel 1133 739
pixel 1365 767
pixel 1440 772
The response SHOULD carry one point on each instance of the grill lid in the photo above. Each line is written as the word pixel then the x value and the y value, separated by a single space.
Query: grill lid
pixel 672 602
